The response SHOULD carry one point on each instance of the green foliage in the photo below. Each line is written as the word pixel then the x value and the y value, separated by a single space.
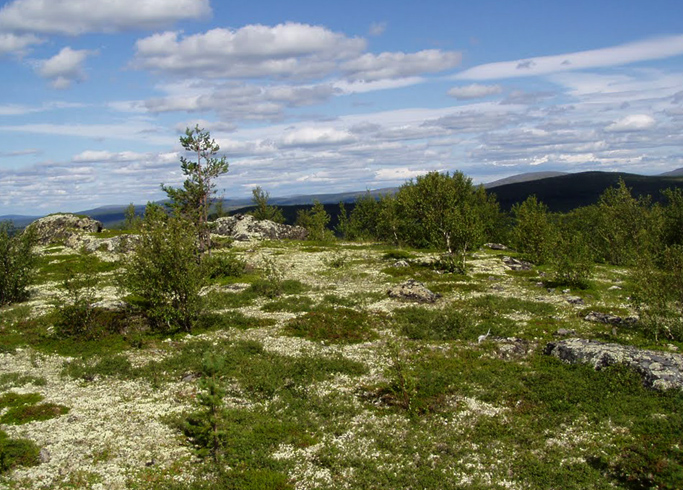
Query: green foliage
pixel 224 265
pixel 673 217
pixel 77 317
pixel 625 227
pixel 425 324
pixel 204 428
pixel 443 211
pixel 658 292
pixel 534 234
pixel 10 380
pixel 24 408
pixel 164 274
pixel 573 260
pixel 17 263
pixel 343 223
pixel 17 452
pixel 193 200
pixel 265 211
pixel 364 219
pixel 315 220
pixel 131 221
pixel 335 325
pixel 294 304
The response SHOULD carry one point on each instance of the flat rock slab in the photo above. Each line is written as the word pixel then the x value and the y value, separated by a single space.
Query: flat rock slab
pixel 599 317
pixel 60 227
pixel 413 290
pixel 659 370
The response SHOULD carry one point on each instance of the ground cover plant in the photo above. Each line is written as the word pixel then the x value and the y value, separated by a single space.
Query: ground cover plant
pixel 300 371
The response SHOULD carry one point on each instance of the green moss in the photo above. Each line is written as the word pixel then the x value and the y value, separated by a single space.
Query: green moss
pixel 336 325
pixel 17 452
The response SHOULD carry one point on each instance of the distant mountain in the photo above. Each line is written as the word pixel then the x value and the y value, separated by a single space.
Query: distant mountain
pixel 526 177
pixel 18 220
pixel 674 173
pixel 566 192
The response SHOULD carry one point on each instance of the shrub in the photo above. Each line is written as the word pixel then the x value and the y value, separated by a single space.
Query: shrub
pixel 337 325
pixel 17 263
pixel 424 324
pixel 573 261
pixel 77 316
pixel 164 274
pixel 263 210
pixel 17 452
pixel 315 220
pixel 534 234
pixel 224 265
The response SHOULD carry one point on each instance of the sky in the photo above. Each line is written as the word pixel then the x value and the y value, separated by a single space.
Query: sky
pixel 309 97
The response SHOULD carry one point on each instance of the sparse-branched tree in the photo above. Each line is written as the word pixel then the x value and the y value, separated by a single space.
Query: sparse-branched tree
pixel 343 223
pixel 17 262
pixel 263 210
pixel 193 200
pixel 132 221
pixel 364 219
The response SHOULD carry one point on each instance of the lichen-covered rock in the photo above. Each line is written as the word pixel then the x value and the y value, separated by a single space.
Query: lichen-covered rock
pixel 599 317
pixel 516 264
pixel 659 370
pixel 60 227
pixel 115 244
pixel 413 290
pixel 245 228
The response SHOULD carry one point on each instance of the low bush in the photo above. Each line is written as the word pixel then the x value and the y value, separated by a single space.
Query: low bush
pixel 224 265
pixel 17 263
pixel 336 325
pixel 17 452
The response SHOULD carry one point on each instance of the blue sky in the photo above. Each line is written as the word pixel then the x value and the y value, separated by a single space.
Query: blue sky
pixel 312 97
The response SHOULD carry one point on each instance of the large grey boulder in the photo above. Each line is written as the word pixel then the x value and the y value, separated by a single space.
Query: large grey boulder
pixel 245 228
pixel 659 370
pixel 60 227
pixel 413 290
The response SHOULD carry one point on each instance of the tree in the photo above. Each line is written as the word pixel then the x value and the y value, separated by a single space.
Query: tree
pixel 132 221
pixel 265 211
pixel 193 200
pixel 315 220
pixel 164 274
pixel 17 262
pixel 534 234
pixel 442 211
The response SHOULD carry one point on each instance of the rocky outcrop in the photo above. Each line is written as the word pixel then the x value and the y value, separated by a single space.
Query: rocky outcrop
pixel 413 290
pixel 60 227
pixel 659 370
pixel 245 228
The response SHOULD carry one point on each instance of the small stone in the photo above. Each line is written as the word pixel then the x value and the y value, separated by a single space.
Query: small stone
pixel 495 246
pixel 575 300
pixel 614 288
pixel 401 263
pixel 566 291
pixel 564 332
pixel 44 456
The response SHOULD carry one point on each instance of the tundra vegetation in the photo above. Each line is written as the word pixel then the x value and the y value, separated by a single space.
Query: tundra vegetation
pixel 285 364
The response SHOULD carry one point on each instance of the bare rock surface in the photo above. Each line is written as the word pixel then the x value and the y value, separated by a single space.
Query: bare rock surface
pixel 61 227
pixel 245 228
pixel 116 244
pixel 659 370
pixel 413 290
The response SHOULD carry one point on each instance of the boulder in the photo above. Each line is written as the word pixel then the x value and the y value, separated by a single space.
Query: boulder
pixel 60 227
pixel 245 228
pixel 659 370
pixel 606 318
pixel 115 244
pixel 413 290
pixel 516 264
pixel 495 246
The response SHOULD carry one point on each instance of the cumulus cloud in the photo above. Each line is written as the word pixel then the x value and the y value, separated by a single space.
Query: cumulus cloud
pixel 289 50
pixel 474 91
pixel 651 49
pixel 632 122
pixel 74 17
pixel 370 67
pixel 65 67
pixel 17 43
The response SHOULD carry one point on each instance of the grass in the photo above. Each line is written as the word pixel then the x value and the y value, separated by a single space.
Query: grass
pixel 359 392
pixel 334 325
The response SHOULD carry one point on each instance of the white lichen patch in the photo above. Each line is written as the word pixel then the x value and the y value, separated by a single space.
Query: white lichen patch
pixel 113 427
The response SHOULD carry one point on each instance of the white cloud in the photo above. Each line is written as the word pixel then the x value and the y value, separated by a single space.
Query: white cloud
pixel 17 43
pixel 95 156
pixel 289 50
pixel 377 28
pixel 65 67
pixel 474 91
pixel 370 67
pixel 398 174
pixel 651 49
pixel 74 17
pixel 310 136
pixel 632 122
pixel 361 86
